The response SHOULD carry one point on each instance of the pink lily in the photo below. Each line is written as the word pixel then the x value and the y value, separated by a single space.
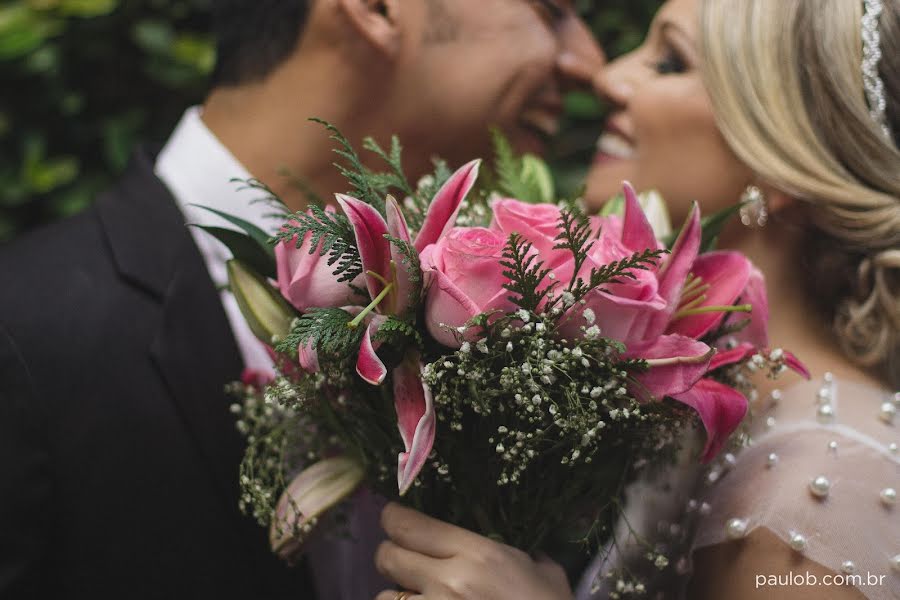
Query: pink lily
pixel 722 408
pixel 389 285
pixel 415 418
pixel 387 277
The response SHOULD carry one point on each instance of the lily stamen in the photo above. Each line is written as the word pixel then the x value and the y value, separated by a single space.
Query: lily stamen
pixel 746 308
pixel 372 306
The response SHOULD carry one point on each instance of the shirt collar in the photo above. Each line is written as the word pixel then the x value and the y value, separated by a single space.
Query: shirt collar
pixel 200 171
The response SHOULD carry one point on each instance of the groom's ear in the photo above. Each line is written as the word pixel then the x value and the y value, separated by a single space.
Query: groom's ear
pixel 376 21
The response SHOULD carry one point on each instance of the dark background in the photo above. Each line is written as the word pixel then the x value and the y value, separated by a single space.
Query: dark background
pixel 82 80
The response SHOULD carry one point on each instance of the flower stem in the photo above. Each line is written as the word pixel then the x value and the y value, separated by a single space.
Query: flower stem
pixel 372 306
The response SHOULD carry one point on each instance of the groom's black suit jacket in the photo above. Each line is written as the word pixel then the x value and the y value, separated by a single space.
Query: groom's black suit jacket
pixel 118 455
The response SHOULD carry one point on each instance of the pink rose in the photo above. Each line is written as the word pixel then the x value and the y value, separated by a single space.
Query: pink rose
pixel 537 223
pixel 307 280
pixel 465 278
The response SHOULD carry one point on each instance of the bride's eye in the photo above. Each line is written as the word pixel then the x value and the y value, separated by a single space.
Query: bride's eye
pixel 670 63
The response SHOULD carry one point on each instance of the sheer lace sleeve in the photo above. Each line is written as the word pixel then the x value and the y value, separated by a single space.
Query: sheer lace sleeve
pixel 822 474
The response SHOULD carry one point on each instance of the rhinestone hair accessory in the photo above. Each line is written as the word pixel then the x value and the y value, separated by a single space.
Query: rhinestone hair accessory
pixel 874 86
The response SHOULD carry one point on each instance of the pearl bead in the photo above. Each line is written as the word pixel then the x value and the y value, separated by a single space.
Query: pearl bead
pixel 829 377
pixel 705 509
pixel 888 412
pixel 893 448
pixel 776 355
pixel 820 487
pixel 848 567
pixel 895 563
pixel 833 446
pixel 824 395
pixel 730 460
pixel 888 496
pixel 825 414
pixel 798 541
pixel 771 460
pixel 735 529
pixel 770 422
pixel 776 396
pixel 692 505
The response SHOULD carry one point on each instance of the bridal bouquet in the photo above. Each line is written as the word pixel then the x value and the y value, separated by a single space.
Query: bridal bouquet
pixel 487 354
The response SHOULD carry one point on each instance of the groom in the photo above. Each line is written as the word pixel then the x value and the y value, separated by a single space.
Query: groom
pixel 118 455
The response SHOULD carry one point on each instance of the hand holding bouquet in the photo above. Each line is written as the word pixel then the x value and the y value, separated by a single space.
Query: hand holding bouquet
pixel 504 365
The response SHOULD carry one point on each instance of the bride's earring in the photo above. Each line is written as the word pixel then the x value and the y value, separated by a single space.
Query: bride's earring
pixel 754 210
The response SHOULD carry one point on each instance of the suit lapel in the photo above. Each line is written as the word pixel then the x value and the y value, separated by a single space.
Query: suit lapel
pixel 194 348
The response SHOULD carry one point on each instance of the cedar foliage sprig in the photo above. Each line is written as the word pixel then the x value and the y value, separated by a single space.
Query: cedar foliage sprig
pixel 358 175
pixel 326 329
pixel 395 178
pixel 525 273
pixel 333 231
pixel 614 272
pixel 575 236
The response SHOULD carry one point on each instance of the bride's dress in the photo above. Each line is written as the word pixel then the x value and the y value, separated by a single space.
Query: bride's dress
pixel 821 470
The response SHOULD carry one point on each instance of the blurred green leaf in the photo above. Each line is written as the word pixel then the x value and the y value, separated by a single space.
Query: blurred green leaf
pixel 87 8
pixel 22 30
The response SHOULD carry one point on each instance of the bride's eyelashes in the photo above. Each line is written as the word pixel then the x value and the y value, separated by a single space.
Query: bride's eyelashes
pixel 669 64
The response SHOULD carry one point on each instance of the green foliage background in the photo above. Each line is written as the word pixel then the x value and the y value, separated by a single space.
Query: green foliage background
pixel 82 80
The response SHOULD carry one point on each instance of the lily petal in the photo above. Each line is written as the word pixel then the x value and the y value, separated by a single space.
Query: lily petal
pixel 737 354
pixel 314 491
pixel 757 331
pixel 396 224
pixel 445 206
pixel 369 228
pixel 637 233
pixel 415 419
pixel 727 274
pixel 676 364
pixel 674 272
pixel 795 365
pixel 368 365
pixel 721 410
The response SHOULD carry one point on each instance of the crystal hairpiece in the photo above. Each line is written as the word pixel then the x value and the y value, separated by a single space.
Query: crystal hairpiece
pixel 871 57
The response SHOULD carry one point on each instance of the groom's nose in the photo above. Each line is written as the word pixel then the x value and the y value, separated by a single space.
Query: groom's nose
pixel 580 56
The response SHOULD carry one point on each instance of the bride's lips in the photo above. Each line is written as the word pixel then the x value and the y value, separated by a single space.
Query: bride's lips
pixel 614 144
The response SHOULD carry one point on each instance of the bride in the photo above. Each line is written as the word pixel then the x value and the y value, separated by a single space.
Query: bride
pixel 794 108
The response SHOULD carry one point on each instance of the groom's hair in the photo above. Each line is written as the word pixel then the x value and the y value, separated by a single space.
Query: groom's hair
pixel 253 37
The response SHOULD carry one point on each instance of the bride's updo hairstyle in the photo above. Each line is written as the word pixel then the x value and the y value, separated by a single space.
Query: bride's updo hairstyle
pixel 786 83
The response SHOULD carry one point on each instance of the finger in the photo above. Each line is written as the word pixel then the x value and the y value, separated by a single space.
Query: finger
pixel 394 594
pixel 421 533
pixel 408 569
pixel 551 571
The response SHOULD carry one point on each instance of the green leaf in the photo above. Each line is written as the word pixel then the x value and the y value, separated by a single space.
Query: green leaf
pixel 263 307
pixel 711 227
pixel 243 248
pixel 258 235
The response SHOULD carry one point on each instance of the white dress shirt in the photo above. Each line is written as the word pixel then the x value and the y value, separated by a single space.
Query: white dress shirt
pixel 198 169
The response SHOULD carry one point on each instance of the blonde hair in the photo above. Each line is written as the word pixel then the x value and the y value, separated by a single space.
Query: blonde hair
pixel 786 85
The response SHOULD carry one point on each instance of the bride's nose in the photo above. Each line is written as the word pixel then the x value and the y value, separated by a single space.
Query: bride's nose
pixel 617 81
